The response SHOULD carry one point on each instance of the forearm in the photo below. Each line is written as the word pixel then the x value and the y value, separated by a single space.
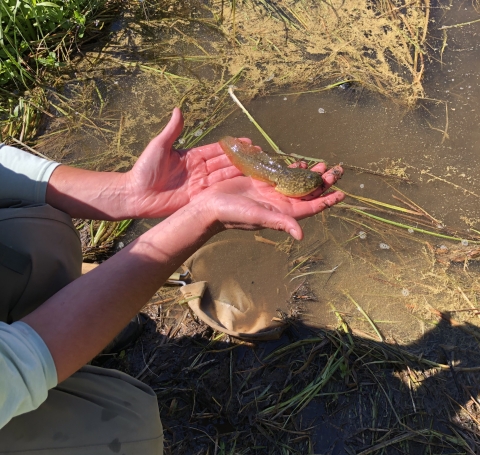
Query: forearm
pixel 89 194
pixel 80 320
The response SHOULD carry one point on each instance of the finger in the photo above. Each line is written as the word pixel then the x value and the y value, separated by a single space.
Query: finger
pixel 280 222
pixel 299 164
pixel 223 174
pixel 219 162
pixel 170 133
pixel 329 177
pixel 320 168
pixel 332 176
pixel 304 209
pixel 245 139
pixel 327 201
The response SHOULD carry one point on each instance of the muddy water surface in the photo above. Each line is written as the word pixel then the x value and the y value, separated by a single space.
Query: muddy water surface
pixel 390 274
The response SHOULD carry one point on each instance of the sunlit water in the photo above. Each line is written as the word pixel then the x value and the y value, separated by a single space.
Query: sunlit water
pixel 390 274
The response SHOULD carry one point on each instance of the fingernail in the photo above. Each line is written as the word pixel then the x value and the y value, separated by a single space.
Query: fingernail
pixel 293 233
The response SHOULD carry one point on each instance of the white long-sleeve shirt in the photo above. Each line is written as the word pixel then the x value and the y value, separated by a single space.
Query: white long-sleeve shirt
pixel 27 370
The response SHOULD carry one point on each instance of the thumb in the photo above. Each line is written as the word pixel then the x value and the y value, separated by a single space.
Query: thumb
pixel 171 131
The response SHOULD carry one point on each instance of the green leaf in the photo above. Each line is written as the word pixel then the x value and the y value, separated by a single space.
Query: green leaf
pixel 54 5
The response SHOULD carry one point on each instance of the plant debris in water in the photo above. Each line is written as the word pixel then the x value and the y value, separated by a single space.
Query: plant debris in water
pixel 189 53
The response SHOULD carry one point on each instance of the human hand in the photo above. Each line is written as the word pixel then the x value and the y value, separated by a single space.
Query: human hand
pixel 245 203
pixel 164 180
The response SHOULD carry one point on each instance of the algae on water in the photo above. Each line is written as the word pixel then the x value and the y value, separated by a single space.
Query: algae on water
pixel 168 53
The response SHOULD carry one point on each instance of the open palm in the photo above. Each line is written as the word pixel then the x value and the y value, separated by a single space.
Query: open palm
pixel 164 180
pixel 245 203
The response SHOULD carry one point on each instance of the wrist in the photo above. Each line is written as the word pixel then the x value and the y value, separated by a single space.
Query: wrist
pixel 199 217
pixel 204 208
pixel 177 237
pixel 128 195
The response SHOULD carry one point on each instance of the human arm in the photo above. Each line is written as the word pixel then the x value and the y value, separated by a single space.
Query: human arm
pixel 77 322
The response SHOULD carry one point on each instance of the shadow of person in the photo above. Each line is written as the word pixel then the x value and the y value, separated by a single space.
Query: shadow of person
pixel 313 391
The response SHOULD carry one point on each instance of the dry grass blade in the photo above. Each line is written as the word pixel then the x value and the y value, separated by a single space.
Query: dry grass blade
pixel 316 272
pixel 382 204
pixel 407 227
pixel 395 440
pixel 366 316
pixel 463 24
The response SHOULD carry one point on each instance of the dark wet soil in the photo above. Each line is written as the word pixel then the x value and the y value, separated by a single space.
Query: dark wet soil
pixel 220 395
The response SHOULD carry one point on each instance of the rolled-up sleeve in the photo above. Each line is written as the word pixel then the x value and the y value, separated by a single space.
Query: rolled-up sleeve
pixel 23 175
pixel 27 370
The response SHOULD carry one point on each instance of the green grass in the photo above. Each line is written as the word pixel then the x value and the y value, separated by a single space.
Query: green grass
pixel 36 35
pixel 36 39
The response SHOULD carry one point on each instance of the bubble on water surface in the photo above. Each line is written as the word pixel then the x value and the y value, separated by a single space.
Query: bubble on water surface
pixel 443 247
pixel 362 185
pixel 181 141
pixel 198 133
pixel 362 235
pixel 410 231
pixel 384 246
pixel 285 99
pixel 464 242
pixel 321 110
pixel 405 292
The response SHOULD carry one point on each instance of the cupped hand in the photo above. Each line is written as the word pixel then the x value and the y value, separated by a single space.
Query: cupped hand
pixel 245 203
pixel 164 180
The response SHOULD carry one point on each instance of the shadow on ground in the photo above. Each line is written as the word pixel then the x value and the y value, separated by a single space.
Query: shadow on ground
pixel 314 391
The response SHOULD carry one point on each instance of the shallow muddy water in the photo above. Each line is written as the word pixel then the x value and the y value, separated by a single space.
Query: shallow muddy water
pixel 388 273
pixel 399 286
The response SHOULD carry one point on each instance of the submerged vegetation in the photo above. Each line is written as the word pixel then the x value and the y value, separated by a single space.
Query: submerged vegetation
pixel 195 50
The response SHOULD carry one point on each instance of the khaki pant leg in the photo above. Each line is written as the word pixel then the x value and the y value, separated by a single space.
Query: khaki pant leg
pixel 94 412
pixel 40 253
